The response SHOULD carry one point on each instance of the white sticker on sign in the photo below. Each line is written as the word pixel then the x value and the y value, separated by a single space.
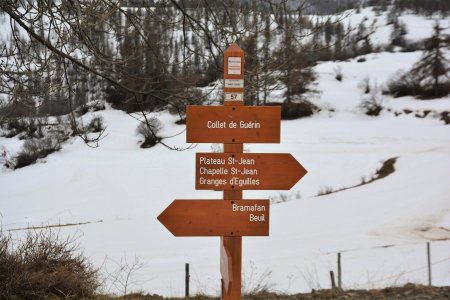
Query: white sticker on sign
pixel 234 65
pixel 234 83
pixel 234 97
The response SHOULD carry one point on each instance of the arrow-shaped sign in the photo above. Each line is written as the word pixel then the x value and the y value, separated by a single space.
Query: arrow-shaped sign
pixel 217 217
pixel 247 171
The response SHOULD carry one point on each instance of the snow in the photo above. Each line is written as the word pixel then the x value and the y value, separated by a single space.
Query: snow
pixel 378 68
pixel 380 228
pixel 418 27
pixel 421 28
pixel 121 189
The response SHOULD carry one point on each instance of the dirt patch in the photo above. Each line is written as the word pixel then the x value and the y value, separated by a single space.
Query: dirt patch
pixel 409 291
pixel 386 169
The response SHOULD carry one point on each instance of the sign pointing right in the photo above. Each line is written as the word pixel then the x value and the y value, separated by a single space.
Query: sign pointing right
pixel 247 171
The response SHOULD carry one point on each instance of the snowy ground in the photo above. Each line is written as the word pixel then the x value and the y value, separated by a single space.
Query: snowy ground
pixel 380 228
pixel 418 27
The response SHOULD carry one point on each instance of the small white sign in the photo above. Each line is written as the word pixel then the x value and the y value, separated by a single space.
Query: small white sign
pixel 234 96
pixel 234 65
pixel 234 83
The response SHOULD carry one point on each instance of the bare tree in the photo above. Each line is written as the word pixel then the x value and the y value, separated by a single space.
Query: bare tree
pixel 146 55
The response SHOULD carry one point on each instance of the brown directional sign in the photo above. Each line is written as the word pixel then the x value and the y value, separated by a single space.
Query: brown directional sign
pixel 247 171
pixel 233 124
pixel 217 217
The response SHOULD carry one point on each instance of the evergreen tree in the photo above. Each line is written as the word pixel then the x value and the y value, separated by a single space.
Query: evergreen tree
pixel 398 33
pixel 338 44
pixel 432 70
pixel 266 54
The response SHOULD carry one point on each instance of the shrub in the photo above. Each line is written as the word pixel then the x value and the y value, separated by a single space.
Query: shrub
pixel 372 104
pixel 179 101
pixel 26 127
pixel 149 131
pixel 295 110
pixel 361 59
pixel 44 265
pixel 338 73
pixel 33 149
pixel 91 106
pixel 413 46
pixel 96 124
pixel 406 84
pixel 364 85
pixel 19 125
pixel 325 190
pixel 14 127
pixel 437 91
pixel 402 84
pixel 5 158
pixel 127 102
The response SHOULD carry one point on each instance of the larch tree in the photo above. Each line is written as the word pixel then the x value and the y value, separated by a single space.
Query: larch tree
pixel 432 71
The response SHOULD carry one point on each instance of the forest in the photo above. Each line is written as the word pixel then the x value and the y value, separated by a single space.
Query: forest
pixel 65 58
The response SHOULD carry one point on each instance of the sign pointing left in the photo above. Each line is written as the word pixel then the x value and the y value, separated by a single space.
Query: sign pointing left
pixel 217 217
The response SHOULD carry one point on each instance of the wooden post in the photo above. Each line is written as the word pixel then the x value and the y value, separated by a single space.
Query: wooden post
pixel 429 264
pixel 187 281
pixel 333 283
pixel 233 96
pixel 339 270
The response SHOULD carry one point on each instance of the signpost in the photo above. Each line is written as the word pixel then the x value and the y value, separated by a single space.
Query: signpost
pixel 232 171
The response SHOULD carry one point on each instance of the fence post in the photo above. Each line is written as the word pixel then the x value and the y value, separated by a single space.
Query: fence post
pixel 333 283
pixel 187 281
pixel 429 263
pixel 339 270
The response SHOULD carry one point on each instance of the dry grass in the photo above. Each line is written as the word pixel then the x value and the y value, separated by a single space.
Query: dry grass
pixel 142 296
pixel 406 292
pixel 44 265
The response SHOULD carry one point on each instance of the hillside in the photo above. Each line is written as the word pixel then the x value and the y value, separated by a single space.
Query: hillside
pixel 110 196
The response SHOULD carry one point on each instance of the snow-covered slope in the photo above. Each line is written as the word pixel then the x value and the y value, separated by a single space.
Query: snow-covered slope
pixel 121 188
pixel 381 228
pixel 418 27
